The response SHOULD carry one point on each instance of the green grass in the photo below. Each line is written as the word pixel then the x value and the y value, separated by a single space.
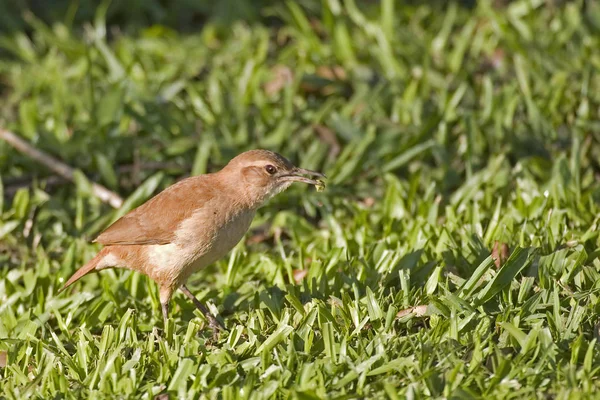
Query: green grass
pixel 443 131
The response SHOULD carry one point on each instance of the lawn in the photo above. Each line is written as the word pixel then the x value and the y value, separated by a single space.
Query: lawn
pixel 453 254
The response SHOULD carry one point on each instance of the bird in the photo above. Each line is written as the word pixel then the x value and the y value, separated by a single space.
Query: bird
pixel 193 223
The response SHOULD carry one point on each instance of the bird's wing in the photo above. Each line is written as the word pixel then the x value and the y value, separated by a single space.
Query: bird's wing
pixel 156 221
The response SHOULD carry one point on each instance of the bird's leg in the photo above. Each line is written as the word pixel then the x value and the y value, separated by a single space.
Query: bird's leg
pixel 212 321
pixel 165 312
pixel 165 293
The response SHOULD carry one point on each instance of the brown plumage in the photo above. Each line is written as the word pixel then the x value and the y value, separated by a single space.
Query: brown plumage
pixel 193 223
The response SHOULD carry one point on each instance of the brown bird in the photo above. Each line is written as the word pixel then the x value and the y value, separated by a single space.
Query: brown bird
pixel 193 223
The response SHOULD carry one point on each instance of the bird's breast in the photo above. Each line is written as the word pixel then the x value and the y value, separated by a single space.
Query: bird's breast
pixel 209 235
pixel 229 234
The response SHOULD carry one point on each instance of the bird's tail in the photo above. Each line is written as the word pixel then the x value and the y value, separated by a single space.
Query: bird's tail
pixel 86 269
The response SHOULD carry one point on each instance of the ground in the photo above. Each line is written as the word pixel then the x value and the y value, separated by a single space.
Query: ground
pixel 453 253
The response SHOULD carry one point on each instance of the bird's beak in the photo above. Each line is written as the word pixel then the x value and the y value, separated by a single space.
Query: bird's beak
pixel 298 175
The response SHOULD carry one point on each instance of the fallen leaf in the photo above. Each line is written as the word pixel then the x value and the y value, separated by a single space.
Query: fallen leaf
pixel 325 81
pixel 333 73
pixel 418 311
pixel 281 77
pixel 499 253
pixel 299 274
pixel 497 59
pixel 368 202
pixel 317 26
pixel 3 357
pixel 494 62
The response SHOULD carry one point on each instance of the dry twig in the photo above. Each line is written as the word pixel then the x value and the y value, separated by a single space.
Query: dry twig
pixel 58 167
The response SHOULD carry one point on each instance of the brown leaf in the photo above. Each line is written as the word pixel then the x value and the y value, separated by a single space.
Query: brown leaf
pixel 258 238
pixel 325 81
pixel 333 72
pixel 281 77
pixel 417 311
pixel 3 357
pixel 317 26
pixel 500 253
pixel 299 275
pixel 368 202
pixel 497 59
pixel 494 61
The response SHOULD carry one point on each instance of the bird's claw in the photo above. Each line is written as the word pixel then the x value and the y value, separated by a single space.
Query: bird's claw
pixel 215 324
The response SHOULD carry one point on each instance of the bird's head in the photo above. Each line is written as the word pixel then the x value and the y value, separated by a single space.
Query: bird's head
pixel 263 174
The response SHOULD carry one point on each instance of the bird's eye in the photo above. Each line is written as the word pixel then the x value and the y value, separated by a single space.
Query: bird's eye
pixel 270 169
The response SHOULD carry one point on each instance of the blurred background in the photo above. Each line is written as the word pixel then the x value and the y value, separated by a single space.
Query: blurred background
pixel 181 15
pixel 120 90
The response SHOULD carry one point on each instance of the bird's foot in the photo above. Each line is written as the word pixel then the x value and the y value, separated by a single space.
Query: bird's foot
pixel 213 323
